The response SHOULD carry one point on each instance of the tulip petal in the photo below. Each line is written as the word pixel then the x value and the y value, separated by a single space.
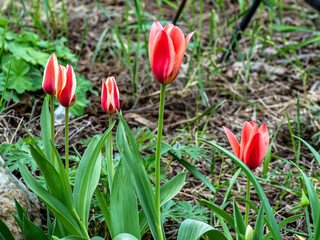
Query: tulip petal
pixel 116 96
pixel 67 93
pixel 245 136
pixel 233 141
pixel 104 97
pixel 155 29
pixel 163 57
pixel 255 152
pixel 50 75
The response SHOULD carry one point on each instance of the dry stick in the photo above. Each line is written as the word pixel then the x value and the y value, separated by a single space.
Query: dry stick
pixel 182 4
pixel 241 27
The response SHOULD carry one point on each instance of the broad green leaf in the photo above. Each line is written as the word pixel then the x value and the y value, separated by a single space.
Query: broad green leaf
pixel 61 212
pixel 103 206
pixel 193 229
pixel 46 130
pixel 238 221
pixel 19 80
pixel 56 182
pixel 314 202
pixel 258 228
pixel 130 153
pixel 271 220
pixel 5 233
pixel 125 236
pixel 218 211
pixel 124 212
pixel 167 191
pixel 32 231
pixel 69 238
pixel 88 176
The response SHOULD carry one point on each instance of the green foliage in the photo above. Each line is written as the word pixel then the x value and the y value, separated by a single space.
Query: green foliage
pixel 29 54
pixel 19 153
pixel 182 210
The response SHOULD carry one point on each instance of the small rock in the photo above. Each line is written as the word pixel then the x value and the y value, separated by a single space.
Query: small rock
pixel 11 188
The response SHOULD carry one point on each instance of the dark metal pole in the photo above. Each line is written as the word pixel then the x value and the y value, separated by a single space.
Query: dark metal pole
pixel 183 2
pixel 241 27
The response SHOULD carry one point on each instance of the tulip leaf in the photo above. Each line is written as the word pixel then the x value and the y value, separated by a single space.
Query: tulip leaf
pixel 32 231
pixel 56 182
pixel 61 212
pixel 270 220
pixel 240 226
pixel 130 153
pixel 69 238
pixel 167 191
pixel 46 130
pixel 258 229
pixel 88 176
pixel 217 210
pixel 314 202
pixel 314 152
pixel 103 206
pixel 194 229
pixel 125 236
pixel 5 233
pixel 124 212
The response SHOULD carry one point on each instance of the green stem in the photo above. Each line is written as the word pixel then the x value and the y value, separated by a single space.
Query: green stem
pixel 52 127
pixel 110 154
pixel 247 204
pixel 158 149
pixel 81 224
pixel 66 138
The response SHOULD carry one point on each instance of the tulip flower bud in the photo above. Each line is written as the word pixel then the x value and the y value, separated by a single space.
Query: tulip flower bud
pixel 166 50
pixel 249 233
pixel 304 200
pixel 50 75
pixel 254 144
pixel 110 96
pixel 66 86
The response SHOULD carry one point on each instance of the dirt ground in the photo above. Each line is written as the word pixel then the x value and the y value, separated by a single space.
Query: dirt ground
pixel 269 98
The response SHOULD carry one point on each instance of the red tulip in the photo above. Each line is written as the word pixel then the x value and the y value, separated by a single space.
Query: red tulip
pixel 50 75
pixel 254 144
pixel 110 96
pixel 66 86
pixel 166 50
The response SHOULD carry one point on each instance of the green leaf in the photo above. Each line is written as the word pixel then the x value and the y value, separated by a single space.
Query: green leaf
pixel 45 123
pixel 314 202
pixel 125 236
pixel 130 153
pixel 193 229
pixel 32 231
pixel 271 220
pixel 5 233
pixel 88 176
pixel 103 206
pixel 314 152
pixel 218 211
pixel 57 183
pixel 195 172
pixel 19 80
pixel 238 221
pixel 258 229
pixel 69 238
pixel 123 203
pixel 61 212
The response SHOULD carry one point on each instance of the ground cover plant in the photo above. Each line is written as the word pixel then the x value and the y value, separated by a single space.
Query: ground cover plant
pixel 123 178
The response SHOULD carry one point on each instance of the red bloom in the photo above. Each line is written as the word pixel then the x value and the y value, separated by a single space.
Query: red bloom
pixel 50 75
pixel 66 86
pixel 110 96
pixel 166 50
pixel 254 144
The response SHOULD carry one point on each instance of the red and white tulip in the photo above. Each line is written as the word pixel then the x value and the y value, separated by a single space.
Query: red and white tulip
pixel 66 86
pixel 110 96
pixel 50 75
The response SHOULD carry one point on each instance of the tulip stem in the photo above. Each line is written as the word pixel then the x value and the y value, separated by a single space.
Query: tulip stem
pixel 52 127
pixel 158 150
pixel 66 131
pixel 247 204
pixel 110 155
pixel 308 221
